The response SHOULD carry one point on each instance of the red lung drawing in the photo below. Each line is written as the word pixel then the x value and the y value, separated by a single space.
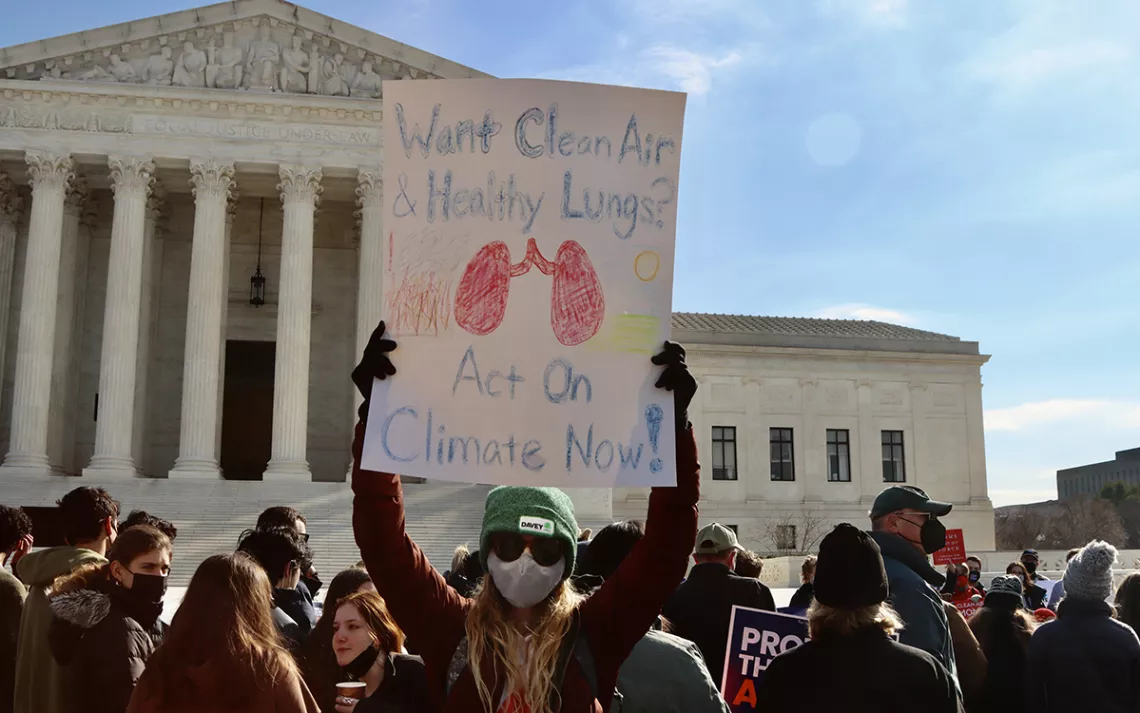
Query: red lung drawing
pixel 577 303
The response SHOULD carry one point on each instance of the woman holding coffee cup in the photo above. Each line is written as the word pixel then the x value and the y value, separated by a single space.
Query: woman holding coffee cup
pixel 377 678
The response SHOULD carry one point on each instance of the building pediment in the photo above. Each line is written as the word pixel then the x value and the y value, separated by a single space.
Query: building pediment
pixel 266 46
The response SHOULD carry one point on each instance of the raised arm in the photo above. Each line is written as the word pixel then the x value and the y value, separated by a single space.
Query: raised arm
pixel 624 608
pixel 431 613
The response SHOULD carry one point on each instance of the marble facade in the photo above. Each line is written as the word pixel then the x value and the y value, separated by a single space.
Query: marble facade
pixel 143 169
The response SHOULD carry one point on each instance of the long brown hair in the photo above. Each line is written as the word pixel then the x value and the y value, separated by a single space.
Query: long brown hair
pixel 131 543
pixel 377 618
pixel 998 629
pixel 224 622
pixel 490 633
pixel 1128 600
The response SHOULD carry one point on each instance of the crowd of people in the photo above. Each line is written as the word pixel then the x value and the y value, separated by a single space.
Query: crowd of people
pixel 543 617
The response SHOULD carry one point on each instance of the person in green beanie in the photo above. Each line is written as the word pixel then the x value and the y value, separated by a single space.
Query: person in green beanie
pixel 518 645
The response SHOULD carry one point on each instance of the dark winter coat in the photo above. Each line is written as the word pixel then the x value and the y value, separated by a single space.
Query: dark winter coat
pixel 914 586
pixel 803 597
pixel 866 672
pixel 1083 661
pixel 1003 690
pixel 298 604
pixel 12 595
pixel 613 619
pixel 103 639
pixel 701 607
pixel 404 689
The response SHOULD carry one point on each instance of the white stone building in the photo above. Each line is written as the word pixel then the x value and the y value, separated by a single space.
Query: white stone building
pixel 149 170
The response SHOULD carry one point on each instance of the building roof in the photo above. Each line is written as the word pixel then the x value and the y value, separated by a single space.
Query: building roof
pixel 749 330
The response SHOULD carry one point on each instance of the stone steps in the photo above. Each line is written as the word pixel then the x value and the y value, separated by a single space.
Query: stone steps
pixel 210 515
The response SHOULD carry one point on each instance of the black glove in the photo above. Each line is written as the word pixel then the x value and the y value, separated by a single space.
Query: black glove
pixel 678 379
pixel 374 364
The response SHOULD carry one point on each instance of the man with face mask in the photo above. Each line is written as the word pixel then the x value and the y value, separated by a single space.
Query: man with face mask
pixel 905 525
pixel 974 565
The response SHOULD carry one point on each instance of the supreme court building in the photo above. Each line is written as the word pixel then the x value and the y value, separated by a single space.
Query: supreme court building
pixel 191 259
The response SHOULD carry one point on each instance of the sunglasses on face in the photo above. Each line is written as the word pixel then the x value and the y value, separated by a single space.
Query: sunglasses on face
pixel 509 546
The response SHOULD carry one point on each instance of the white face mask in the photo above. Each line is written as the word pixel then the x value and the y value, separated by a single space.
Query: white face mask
pixel 524 582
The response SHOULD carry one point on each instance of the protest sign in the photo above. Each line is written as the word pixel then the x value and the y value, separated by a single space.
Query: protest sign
pixel 955 550
pixel 755 638
pixel 530 228
pixel 969 607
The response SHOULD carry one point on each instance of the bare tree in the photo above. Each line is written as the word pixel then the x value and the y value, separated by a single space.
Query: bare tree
pixel 1059 526
pixel 795 533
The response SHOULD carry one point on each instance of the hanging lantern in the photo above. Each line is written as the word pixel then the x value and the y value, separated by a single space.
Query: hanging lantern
pixel 257 280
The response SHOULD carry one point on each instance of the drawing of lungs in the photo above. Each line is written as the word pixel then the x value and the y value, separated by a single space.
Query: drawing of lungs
pixel 481 299
pixel 577 304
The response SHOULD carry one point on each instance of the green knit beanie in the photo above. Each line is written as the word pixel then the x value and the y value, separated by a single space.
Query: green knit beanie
pixel 523 510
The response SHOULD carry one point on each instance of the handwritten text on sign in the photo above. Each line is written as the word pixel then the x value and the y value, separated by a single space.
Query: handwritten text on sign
pixel 528 280
pixel 755 638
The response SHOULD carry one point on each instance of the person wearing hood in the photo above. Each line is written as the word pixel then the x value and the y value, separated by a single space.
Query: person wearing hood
pixel 850 664
pixel 1004 629
pixel 518 644
pixel 105 622
pixel 90 520
pixel 1085 659
pixel 905 525
pixel 283 552
pixel 222 652
pixel 367 643
pixel 15 542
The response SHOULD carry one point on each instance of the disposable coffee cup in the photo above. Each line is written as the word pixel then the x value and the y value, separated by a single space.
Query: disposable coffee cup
pixel 351 689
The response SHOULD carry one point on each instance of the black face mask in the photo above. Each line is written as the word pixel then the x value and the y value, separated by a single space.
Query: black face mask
pixel 360 665
pixel 148 588
pixel 313 584
pixel 975 575
pixel 932 535
pixel 1030 567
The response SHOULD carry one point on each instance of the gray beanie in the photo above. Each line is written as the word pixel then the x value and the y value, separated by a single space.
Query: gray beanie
pixel 1089 575
pixel 1007 583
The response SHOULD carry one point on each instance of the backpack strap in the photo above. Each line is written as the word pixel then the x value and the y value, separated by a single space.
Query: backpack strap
pixel 457 666
pixel 566 651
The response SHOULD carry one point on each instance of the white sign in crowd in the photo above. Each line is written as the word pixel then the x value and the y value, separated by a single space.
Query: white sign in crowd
pixel 528 281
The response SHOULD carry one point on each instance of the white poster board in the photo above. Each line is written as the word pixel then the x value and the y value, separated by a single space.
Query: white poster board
pixel 530 228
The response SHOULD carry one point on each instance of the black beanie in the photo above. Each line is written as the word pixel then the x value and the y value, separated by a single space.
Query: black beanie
pixel 849 573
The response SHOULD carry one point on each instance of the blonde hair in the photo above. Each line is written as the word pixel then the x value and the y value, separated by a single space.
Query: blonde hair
pixel 807 569
pixel 459 557
pixel 830 621
pixel 489 632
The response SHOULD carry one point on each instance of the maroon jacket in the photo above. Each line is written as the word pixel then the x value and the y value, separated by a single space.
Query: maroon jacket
pixel 614 619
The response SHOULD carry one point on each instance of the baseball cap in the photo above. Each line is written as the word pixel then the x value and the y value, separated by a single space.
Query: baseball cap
pixel 714 539
pixel 907 497
pixel 1031 553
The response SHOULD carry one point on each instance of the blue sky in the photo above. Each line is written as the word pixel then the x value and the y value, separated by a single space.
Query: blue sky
pixel 969 167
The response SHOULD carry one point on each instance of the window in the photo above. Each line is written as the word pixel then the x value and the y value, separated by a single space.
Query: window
pixel 894 465
pixel 785 537
pixel 838 455
pixel 780 440
pixel 724 452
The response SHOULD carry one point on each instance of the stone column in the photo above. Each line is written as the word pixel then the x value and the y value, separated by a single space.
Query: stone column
pixel 197 449
pixel 300 192
pixel 27 451
pixel 71 416
pixel 11 202
pixel 131 181
pixel 370 279
pixel 59 409
pixel 231 215
pixel 148 319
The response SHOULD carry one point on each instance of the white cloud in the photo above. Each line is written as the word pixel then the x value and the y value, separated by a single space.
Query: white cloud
pixel 691 71
pixel 868 312
pixel 1117 414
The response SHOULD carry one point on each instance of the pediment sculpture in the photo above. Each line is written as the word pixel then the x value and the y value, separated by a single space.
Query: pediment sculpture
pixel 254 57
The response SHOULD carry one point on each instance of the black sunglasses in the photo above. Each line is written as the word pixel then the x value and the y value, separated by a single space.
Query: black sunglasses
pixel 509 546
